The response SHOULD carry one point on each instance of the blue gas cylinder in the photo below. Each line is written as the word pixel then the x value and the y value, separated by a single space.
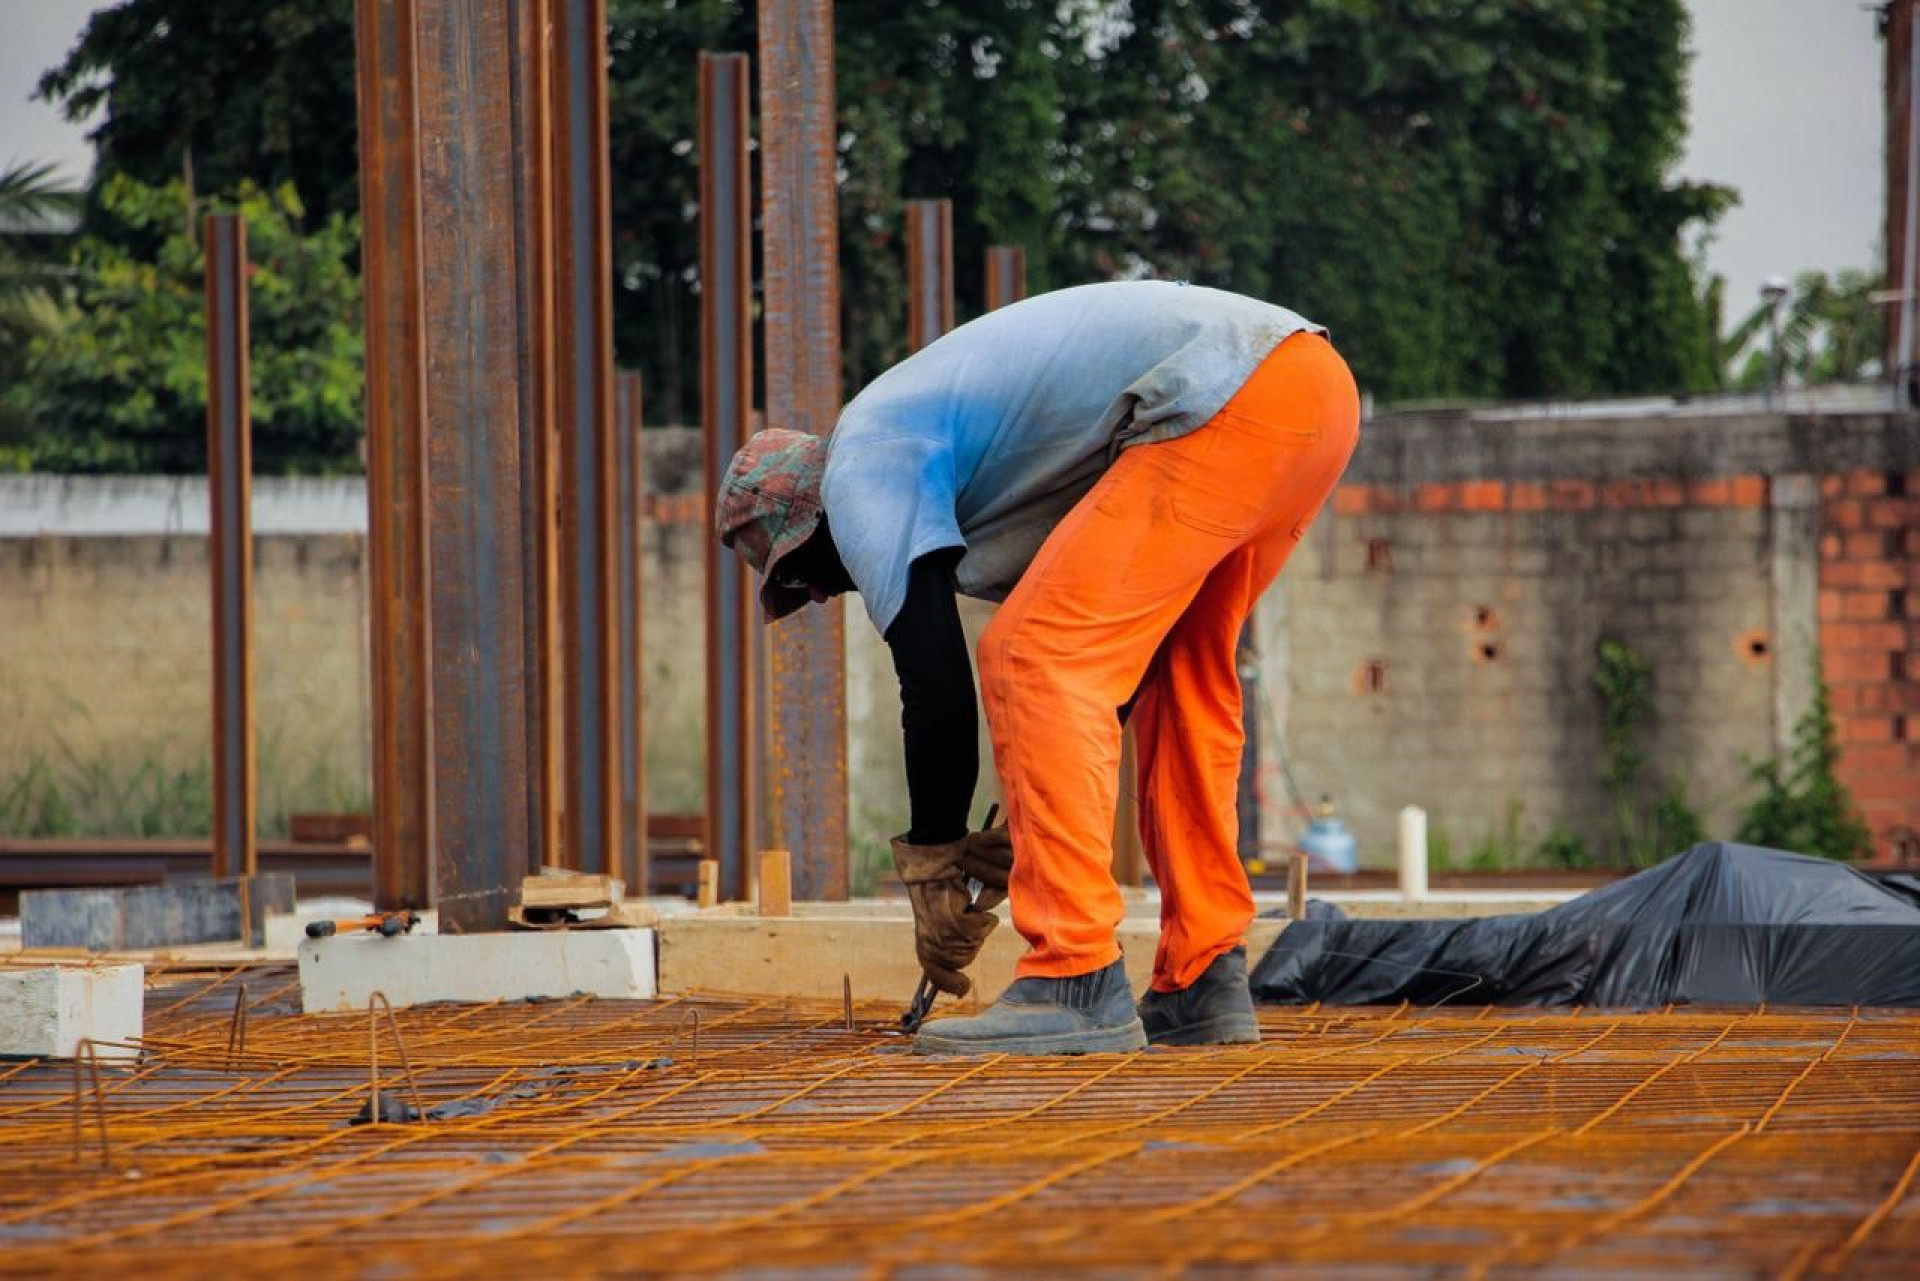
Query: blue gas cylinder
pixel 1329 846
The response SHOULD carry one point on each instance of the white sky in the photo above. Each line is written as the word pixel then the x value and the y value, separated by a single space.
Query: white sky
pixel 1786 106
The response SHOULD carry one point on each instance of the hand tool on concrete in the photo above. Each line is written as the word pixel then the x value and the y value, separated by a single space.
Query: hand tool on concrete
pixel 922 1003
pixel 388 924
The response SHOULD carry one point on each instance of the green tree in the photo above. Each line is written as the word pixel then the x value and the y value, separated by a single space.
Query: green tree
pixel 1472 194
pixel 36 213
pixel 221 92
pixel 1831 331
pixel 1803 805
pixel 123 387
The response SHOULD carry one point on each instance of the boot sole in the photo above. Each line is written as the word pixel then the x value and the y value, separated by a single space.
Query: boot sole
pixel 1230 1029
pixel 1106 1040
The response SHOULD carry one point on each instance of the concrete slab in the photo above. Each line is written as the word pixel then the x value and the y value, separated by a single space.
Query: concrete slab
pixel 47 1010
pixel 147 916
pixel 343 972
pixel 807 956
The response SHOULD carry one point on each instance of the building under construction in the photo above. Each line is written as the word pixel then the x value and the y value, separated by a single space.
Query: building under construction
pixel 562 1065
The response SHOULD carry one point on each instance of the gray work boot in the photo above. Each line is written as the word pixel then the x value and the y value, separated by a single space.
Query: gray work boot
pixel 1215 1009
pixel 1088 1014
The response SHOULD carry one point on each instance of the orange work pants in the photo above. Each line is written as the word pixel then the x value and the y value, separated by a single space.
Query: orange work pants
pixel 1140 592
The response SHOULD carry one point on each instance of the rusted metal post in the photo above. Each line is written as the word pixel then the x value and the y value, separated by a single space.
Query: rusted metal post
pixel 800 231
pixel 726 395
pixel 230 544
pixel 631 863
pixel 1006 275
pixel 583 332
pixel 1903 194
pixel 929 270
pixel 539 439
pixel 471 222
pixel 396 455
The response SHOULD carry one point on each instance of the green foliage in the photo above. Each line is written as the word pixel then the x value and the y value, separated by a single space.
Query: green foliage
pixel 35 210
pixel 1562 848
pixel 1623 683
pixel 1803 805
pixel 72 795
pixel 1472 194
pixel 122 387
pixel 223 91
pixel 1831 331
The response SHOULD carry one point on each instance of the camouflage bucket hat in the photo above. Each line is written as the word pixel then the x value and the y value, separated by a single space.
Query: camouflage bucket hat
pixel 769 504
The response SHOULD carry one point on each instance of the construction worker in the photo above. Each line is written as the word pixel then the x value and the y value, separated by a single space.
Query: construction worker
pixel 1126 466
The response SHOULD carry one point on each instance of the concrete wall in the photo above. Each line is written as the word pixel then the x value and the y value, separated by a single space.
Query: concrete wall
pixel 1433 641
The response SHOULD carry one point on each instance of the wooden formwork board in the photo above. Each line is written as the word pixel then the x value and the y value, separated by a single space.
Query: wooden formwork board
pixel 809 956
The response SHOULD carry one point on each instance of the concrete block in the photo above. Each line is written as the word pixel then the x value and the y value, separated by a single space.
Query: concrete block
pixel 342 972
pixel 47 1010
pixel 146 916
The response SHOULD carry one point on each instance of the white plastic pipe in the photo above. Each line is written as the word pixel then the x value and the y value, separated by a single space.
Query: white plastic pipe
pixel 1413 852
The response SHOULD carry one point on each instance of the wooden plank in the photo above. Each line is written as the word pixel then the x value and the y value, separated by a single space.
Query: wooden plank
pixel 811 956
pixel 709 882
pixel 556 888
pixel 776 883
pixel 1297 888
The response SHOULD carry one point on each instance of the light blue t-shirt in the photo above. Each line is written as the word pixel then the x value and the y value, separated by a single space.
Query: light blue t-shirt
pixel 987 437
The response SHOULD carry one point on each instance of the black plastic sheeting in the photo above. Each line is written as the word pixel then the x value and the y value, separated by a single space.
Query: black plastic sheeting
pixel 1721 924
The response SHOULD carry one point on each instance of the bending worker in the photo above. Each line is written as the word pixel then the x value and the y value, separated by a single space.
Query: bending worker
pixel 1127 466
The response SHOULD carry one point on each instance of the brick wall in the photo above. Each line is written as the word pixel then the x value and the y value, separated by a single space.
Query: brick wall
pixel 1870 643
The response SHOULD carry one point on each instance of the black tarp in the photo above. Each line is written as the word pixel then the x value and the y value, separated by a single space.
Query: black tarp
pixel 1719 924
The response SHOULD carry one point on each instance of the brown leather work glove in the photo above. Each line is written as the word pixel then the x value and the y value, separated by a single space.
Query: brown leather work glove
pixel 947 928
pixel 988 857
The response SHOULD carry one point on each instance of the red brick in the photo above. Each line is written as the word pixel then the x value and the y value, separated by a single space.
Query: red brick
pixel 1879 575
pixel 1861 731
pixel 1870 759
pixel 1570 495
pixel 1888 513
pixel 1526 497
pixel 1831 547
pixel 1866 484
pixel 1864 544
pixel 1706 491
pixel 1749 491
pixel 1483 496
pixel 1350 500
pixel 1846 699
pixel 1831 604
pixel 1895 786
pixel 1862 607
pixel 1667 493
pixel 1844 513
pixel 1863 667
pixel 1832 486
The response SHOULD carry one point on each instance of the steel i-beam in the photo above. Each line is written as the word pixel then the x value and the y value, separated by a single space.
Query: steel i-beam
pixel 396 456
pixel 726 393
pixel 583 331
pixel 929 270
pixel 631 846
pixel 801 271
pixel 473 318
pixel 230 544
pixel 1006 275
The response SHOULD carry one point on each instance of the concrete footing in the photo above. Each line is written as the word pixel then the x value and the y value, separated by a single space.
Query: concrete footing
pixel 47 1010
pixel 343 972
pixel 148 916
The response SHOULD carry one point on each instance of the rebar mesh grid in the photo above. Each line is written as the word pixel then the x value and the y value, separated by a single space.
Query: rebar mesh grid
pixel 708 1134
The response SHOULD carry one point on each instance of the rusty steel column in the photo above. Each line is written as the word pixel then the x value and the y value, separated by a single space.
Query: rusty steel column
pixel 631 846
pixel 929 271
pixel 396 455
pixel 1903 194
pixel 726 398
pixel 1006 275
pixel 474 378
pixel 539 439
pixel 230 544
pixel 583 401
pixel 800 231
